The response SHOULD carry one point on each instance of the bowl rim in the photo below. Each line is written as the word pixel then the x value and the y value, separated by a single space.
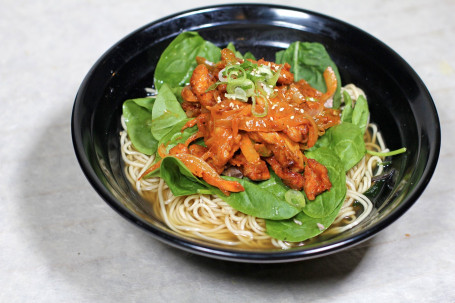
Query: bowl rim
pixel 239 255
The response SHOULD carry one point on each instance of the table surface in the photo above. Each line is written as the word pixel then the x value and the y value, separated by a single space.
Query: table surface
pixel 60 242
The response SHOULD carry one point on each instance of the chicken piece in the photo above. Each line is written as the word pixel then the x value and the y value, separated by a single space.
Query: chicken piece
pixel 179 149
pixel 198 150
pixel 222 144
pixel 188 95
pixel 316 179
pixel 200 82
pixel 192 109
pixel 256 171
pixel 202 169
pixel 228 57
pixel 285 151
pixel 297 133
pixel 294 180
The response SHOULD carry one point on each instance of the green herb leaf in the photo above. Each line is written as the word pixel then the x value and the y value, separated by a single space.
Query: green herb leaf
pixel 324 204
pixel 167 112
pixel 346 141
pixel 138 119
pixel 180 180
pixel 301 227
pixel 356 112
pixel 177 62
pixel 247 55
pixel 176 136
pixel 361 113
pixel 346 114
pixel 308 61
pixel 261 199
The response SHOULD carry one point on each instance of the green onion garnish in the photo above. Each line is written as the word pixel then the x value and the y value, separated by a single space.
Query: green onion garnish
pixel 387 154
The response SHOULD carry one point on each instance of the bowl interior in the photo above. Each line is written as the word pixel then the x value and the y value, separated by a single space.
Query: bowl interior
pixel 399 104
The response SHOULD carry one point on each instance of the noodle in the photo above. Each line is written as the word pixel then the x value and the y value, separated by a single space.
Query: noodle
pixel 209 218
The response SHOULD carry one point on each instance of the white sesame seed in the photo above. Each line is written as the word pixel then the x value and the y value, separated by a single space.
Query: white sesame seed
pixel 292 117
pixel 281 109
pixel 271 118
pixel 302 111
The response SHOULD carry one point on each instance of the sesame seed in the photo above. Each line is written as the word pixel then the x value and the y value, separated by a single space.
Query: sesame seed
pixel 281 109
pixel 302 111
pixel 292 117
pixel 271 118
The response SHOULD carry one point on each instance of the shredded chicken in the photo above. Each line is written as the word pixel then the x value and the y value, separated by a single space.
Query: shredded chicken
pixel 236 137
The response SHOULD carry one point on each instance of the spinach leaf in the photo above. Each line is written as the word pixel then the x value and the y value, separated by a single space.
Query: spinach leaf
pixel 166 113
pixel 177 62
pixel 289 230
pixel 361 113
pixel 261 199
pixel 177 91
pixel 346 141
pixel 346 114
pixel 231 47
pixel 180 180
pixel 176 136
pixel 138 119
pixel 356 112
pixel 325 203
pixel 247 55
pixel 308 61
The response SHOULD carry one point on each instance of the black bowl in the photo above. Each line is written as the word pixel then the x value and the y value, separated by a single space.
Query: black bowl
pixel 399 103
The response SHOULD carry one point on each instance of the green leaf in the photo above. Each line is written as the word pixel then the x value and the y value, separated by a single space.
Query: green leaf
pixel 177 62
pixel 308 61
pixel 167 112
pixel 261 199
pixel 325 203
pixel 138 119
pixel 177 91
pixel 176 136
pixel 346 141
pixel 231 47
pixel 356 112
pixel 289 230
pixel 361 113
pixel 247 55
pixel 179 179
pixel 346 114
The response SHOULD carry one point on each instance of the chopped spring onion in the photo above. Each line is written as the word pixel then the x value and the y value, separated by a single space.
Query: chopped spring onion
pixel 239 94
pixel 253 107
pixel 247 80
pixel 386 154
pixel 295 198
